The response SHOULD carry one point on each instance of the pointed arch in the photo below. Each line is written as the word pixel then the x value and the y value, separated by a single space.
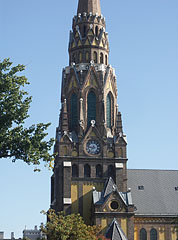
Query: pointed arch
pixel 111 172
pixel 101 58
pixel 95 57
pixel 87 171
pixel 74 170
pixel 73 112
pixel 91 107
pixel 99 171
pixel 143 234
pixel 153 234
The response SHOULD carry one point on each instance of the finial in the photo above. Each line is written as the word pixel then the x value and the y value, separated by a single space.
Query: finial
pixel 92 123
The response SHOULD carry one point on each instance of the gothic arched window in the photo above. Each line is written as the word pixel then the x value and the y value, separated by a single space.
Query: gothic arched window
pixel 99 171
pixel 74 170
pixel 73 112
pixel 91 107
pixel 101 58
pixel 95 57
pixel 153 234
pixel 87 171
pixel 111 172
pixel 108 110
pixel 106 60
pixel 143 234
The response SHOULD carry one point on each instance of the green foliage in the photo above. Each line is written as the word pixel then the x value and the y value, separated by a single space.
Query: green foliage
pixel 70 227
pixel 16 141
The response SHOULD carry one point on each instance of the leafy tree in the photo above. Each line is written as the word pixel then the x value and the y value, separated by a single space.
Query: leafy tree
pixel 70 227
pixel 16 141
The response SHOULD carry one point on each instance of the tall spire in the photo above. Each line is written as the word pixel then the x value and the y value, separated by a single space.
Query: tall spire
pixel 88 6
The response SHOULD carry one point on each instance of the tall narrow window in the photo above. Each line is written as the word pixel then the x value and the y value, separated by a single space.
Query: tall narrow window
pixel 111 172
pixel 108 110
pixel 120 152
pixel 95 57
pixel 99 171
pixel 74 170
pixel 84 31
pixel 153 234
pixel 106 60
pixel 143 234
pixel 91 107
pixel 80 57
pixel 87 171
pixel 73 58
pixel 101 58
pixel 73 112
pixel 96 30
pixel 87 56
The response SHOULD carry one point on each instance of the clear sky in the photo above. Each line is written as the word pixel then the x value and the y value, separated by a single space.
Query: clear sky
pixel 143 37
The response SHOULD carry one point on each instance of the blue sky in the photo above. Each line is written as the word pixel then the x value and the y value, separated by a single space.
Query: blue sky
pixel 143 39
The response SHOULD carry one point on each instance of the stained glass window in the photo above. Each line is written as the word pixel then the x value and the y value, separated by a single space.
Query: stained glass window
pixel 91 113
pixel 73 112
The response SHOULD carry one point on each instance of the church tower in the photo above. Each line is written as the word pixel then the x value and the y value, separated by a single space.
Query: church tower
pixel 90 171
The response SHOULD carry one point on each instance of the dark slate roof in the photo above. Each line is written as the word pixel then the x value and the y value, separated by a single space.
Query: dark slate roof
pixel 157 194
pixel 110 187
pixel 115 232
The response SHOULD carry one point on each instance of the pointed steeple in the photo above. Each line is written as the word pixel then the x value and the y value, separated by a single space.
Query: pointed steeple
pixel 88 6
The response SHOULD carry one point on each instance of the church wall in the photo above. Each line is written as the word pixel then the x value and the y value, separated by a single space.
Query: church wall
pixel 165 231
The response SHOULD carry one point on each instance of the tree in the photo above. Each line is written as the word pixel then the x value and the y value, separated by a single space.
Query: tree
pixel 16 141
pixel 70 227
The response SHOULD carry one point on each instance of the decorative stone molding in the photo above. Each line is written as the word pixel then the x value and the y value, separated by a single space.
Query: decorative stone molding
pixel 119 165
pixel 67 201
pixel 67 164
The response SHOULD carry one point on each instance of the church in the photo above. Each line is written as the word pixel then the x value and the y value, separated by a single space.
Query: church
pixel 90 174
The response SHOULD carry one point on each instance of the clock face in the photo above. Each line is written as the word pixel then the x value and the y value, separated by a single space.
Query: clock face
pixel 93 147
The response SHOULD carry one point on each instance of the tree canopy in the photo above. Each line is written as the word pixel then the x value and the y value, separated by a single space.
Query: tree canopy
pixel 64 227
pixel 17 141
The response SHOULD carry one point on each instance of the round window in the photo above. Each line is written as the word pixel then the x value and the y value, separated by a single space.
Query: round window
pixel 114 205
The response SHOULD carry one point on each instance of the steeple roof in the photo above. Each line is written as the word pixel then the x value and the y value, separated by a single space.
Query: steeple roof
pixel 88 6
